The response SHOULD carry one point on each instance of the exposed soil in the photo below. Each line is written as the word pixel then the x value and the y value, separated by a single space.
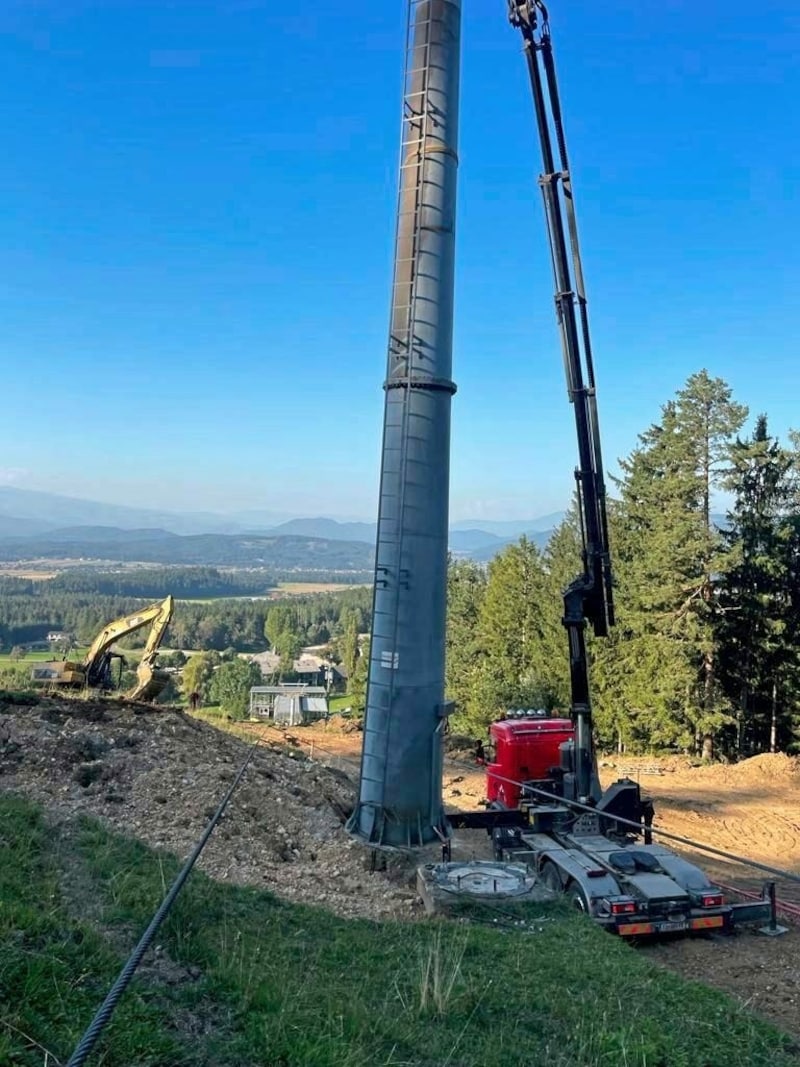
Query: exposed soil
pixel 159 775
pixel 751 808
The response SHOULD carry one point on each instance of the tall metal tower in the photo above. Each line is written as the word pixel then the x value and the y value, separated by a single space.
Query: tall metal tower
pixel 400 794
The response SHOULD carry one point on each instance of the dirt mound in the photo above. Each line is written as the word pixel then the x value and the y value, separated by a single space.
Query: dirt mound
pixel 768 765
pixel 774 766
pixel 771 765
pixel 345 724
pixel 159 776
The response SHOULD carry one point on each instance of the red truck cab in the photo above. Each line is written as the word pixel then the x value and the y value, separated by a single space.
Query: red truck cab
pixel 525 746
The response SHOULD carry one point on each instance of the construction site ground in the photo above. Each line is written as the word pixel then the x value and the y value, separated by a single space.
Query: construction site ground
pixel 158 774
pixel 751 809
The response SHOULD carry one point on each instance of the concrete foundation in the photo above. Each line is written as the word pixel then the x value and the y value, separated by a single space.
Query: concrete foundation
pixel 446 886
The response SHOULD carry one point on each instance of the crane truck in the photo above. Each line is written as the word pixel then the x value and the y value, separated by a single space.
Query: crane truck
pixel 94 670
pixel 545 803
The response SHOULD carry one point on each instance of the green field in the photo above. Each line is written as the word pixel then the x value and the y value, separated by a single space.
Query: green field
pixel 6 660
pixel 339 703
pixel 245 979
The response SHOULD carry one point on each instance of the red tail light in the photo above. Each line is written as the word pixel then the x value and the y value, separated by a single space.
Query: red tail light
pixel 712 900
pixel 623 907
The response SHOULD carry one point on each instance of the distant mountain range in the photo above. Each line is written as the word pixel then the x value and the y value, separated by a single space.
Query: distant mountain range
pixel 48 526
pixel 107 543
pixel 41 512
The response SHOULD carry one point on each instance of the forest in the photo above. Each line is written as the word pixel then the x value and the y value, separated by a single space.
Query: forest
pixel 157 582
pixel 30 609
pixel 704 657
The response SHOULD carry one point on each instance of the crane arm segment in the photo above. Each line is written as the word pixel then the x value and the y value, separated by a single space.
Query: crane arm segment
pixel 589 597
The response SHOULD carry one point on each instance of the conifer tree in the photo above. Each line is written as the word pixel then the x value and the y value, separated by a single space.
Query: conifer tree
pixel 668 556
pixel 466 586
pixel 562 563
pixel 758 650
pixel 509 637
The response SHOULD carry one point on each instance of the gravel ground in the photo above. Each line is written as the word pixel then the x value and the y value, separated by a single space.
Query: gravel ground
pixel 159 776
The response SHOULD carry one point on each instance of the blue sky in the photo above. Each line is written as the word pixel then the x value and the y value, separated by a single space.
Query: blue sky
pixel 196 242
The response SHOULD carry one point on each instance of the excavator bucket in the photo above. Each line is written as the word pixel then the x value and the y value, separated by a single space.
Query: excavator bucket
pixel 150 681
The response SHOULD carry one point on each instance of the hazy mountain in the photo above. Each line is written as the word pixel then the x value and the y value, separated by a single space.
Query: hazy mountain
pixel 488 552
pixel 161 546
pixel 329 528
pixel 101 535
pixel 257 518
pixel 52 510
pixel 468 541
pixel 34 524
pixel 473 543
pixel 511 528
pixel 13 526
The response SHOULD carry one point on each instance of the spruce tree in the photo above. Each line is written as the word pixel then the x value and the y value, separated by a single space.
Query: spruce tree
pixel 562 563
pixel 466 586
pixel 669 555
pixel 509 635
pixel 708 418
pixel 756 650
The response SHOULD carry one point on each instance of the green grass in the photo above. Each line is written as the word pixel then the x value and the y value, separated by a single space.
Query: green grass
pixel 6 660
pixel 247 980
pixel 54 970
pixel 339 703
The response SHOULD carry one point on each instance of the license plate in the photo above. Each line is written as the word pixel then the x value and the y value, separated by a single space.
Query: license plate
pixel 668 928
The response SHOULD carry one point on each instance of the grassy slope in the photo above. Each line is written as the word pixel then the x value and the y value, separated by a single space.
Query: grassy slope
pixel 247 980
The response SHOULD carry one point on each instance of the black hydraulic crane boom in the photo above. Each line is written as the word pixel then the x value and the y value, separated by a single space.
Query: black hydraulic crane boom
pixel 589 597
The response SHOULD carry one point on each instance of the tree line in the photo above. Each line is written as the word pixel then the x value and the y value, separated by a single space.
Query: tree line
pixel 30 609
pixel 705 655
pixel 158 582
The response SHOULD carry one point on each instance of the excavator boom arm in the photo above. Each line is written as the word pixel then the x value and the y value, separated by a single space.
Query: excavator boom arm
pixel 95 669
pixel 159 628
pixel 158 614
pixel 96 663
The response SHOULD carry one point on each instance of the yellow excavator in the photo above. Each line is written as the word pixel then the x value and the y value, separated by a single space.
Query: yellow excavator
pixel 94 671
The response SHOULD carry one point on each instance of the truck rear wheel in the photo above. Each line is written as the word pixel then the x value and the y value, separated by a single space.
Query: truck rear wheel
pixel 577 898
pixel 550 877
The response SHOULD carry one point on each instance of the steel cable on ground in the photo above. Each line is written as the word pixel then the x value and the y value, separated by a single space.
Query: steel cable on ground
pixel 508 919
pixel 106 1010
pixel 777 871
pixel 732 856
